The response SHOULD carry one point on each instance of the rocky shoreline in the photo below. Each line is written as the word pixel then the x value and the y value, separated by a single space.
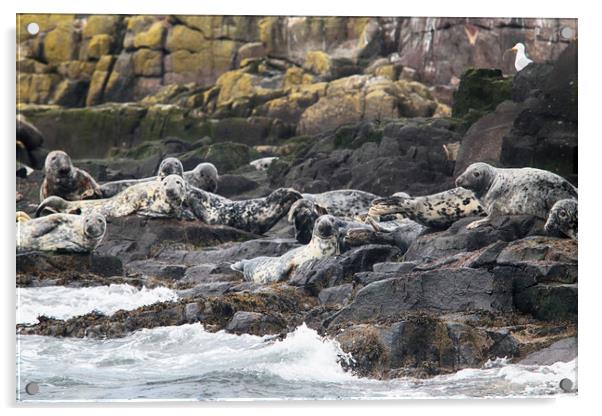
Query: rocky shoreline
pixel 456 298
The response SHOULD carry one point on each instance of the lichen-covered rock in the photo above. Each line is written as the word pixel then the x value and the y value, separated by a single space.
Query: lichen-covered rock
pixel 70 93
pixel 182 37
pixel 226 156
pixel 76 70
pixel 118 86
pixel 60 44
pixel 152 37
pixel 148 62
pixel 98 80
pixel 86 132
pixel 100 24
pixel 36 88
pixel 99 45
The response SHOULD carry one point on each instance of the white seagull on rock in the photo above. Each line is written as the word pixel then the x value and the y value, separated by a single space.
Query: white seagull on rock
pixel 521 60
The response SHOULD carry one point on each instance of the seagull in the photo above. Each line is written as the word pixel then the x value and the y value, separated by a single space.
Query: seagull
pixel 521 60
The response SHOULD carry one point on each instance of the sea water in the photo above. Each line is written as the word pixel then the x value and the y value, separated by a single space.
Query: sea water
pixel 188 363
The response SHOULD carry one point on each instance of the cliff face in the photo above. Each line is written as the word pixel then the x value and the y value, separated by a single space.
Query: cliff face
pixel 79 60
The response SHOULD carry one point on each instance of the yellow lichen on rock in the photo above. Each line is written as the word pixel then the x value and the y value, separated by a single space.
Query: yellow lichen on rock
pixel 148 62
pixel 46 22
pixel 234 84
pixel 100 24
pixel 183 61
pixel 99 45
pixel 318 62
pixel 182 37
pixel 60 44
pixel 36 88
pixel 151 38
pixel 387 71
pixel 76 69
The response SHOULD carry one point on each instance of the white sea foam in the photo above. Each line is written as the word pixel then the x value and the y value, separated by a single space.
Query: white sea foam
pixel 188 362
pixel 62 302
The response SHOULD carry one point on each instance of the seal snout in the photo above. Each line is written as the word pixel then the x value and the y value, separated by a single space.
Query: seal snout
pixel 64 170
pixel 325 226
pixel 95 225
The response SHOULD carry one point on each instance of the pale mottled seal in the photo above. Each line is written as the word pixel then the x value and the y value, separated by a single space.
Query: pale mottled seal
pixel 204 176
pixel 252 215
pixel 158 199
pixel 436 211
pixel 525 191
pixel 562 219
pixel 61 233
pixel 274 269
pixel 343 202
pixel 65 180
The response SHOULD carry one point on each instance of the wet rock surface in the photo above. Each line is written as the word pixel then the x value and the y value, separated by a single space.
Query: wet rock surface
pixel 456 298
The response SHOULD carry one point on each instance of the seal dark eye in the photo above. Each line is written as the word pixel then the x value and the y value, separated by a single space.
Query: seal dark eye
pixel 476 174
pixel 562 214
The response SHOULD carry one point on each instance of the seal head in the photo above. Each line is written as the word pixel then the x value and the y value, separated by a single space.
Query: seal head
pixel 94 225
pixel 562 220
pixel 303 214
pixel 170 166
pixel 59 167
pixel 174 189
pixel 204 176
pixel 478 178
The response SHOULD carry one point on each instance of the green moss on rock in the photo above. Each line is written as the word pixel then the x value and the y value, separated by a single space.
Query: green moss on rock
pixel 481 90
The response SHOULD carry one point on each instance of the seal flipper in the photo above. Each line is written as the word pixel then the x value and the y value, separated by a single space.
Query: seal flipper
pixel 239 266
pixel 53 204
pixel 46 226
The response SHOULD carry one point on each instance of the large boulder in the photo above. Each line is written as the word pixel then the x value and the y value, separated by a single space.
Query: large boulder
pixel 442 290
pixel 382 158
pixel 479 92
pixel 458 239
pixel 332 271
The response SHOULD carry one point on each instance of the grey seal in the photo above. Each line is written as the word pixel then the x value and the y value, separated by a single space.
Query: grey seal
pixel 204 176
pixel 439 210
pixel 515 191
pixel 61 233
pixel 562 219
pixel 65 180
pixel 324 243
pixel 157 199
pixel 253 215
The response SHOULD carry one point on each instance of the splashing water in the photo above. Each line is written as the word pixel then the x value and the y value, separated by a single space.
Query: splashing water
pixel 187 362
pixel 62 302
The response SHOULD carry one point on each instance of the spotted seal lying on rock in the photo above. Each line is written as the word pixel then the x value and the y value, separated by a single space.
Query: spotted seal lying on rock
pixel 524 191
pixel 204 176
pixel 61 233
pixel 253 215
pixel 158 199
pixel 343 202
pixel 273 269
pixel 437 211
pixel 67 181
pixel 562 219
